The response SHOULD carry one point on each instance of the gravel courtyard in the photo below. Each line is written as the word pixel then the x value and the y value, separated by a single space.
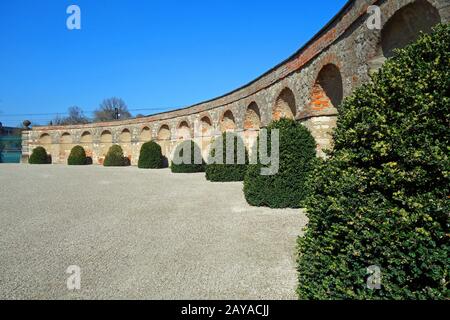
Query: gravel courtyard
pixel 139 234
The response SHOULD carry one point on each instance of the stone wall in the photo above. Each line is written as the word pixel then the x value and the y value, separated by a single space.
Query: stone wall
pixel 308 86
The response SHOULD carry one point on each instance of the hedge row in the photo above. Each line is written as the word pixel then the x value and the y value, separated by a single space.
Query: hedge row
pixel 217 168
pixel 39 156
pixel 188 163
pixel 77 157
pixel 297 154
pixel 381 200
pixel 151 156
pixel 115 157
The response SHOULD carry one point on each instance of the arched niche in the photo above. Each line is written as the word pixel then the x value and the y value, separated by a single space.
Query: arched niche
pixel 285 106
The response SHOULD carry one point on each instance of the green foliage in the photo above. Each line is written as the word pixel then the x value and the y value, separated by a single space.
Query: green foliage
pixel 223 172
pixel 285 189
pixel 39 156
pixel 77 157
pixel 151 156
pixel 190 166
pixel 382 196
pixel 114 157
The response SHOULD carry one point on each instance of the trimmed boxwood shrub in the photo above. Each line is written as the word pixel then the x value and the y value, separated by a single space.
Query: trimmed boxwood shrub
pixel 382 197
pixel 39 156
pixel 223 172
pixel 77 157
pixel 114 157
pixel 285 189
pixel 190 167
pixel 151 156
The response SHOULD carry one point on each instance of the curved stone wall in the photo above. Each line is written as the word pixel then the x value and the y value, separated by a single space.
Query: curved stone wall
pixel 308 86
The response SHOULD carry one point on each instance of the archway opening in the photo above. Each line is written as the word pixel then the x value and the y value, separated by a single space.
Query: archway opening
pixel 183 131
pixel 406 24
pixel 227 123
pixel 206 126
pixel 403 28
pixel 45 139
pixel 285 106
pixel 86 137
pixel 252 117
pixel 66 138
pixel 252 124
pixel 106 137
pixel 86 143
pixel 125 136
pixel 146 134
pixel 328 90
pixel 164 133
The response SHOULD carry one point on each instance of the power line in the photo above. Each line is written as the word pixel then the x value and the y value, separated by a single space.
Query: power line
pixel 66 113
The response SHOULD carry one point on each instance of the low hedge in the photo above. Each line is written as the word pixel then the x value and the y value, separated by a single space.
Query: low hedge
pixel 77 157
pixel 297 156
pixel 190 166
pixel 223 172
pixel 115 157
pixel 380 202
pixel 150 156
pixel 39 156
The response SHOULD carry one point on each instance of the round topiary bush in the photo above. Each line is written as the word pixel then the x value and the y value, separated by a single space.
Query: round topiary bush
pixel 39 156
pixel 286 188
pixel 188 165
pixel 114 157
pixel 221 171
pixel 380 202
pixel 77 157
pixel 151 156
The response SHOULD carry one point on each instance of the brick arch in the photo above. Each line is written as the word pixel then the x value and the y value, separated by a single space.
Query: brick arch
pixel 146 134
pixel 183 130
pixel 402 28
pixel 86 141
pixel 227 121
pixel 285 105
pixel 45 138
pixel 125 135
pixel 406 24
pixel 206 126
pixel 106 136
pixel 328 89
pixel 252 117
pixel 66 138
pixel 86 137
pixel 164 132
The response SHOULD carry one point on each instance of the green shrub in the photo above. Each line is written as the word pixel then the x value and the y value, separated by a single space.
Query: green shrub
pixel 77 157
pixel 151 156
pixel 114 157
pixel 223 172
pixel 297 150
pixel 39 156
pixel 190 166
pixel 382 197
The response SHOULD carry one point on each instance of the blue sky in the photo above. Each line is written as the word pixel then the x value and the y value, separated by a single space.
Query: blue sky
pixel 155 54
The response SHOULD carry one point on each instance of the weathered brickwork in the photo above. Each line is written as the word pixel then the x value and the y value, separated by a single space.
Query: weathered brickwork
pixel 308 86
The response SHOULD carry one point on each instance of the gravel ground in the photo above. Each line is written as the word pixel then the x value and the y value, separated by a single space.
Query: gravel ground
pixel 139 234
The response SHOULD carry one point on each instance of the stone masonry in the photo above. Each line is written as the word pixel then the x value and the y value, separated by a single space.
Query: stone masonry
pixel 308 86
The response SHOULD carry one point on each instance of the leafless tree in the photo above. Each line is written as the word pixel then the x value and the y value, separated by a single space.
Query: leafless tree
pixel 75 116
pixel 107 110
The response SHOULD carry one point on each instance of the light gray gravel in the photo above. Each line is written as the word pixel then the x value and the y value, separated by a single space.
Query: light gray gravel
pixel 139 234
